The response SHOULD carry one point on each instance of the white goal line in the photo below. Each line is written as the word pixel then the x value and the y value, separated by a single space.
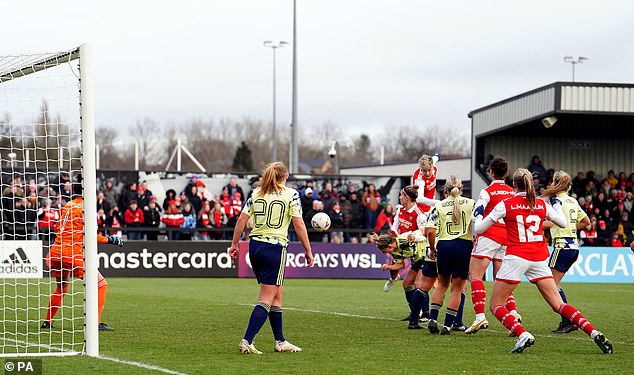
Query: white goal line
pixel 105 358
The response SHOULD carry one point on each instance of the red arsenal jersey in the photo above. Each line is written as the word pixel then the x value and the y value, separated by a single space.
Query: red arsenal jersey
pixel 408 220
pixel 427 186
pixel 489 197
pixel 524 233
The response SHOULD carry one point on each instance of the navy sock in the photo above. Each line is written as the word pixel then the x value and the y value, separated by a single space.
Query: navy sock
pixel 450 317
pixel 275 318
pixel 409 292
pixel 433 312
pixel 417 303
pixel 563 296
pixel 425 307
pixel 458 321
pixel 256 321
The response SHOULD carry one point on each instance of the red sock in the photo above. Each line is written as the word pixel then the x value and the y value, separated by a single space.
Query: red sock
pixel 101 295
pixel 571 313
pixel 478 296
pixel 508 320
pixel 55 302
pixel 510 303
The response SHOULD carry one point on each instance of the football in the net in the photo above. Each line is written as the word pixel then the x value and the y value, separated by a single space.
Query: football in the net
pixel 320 222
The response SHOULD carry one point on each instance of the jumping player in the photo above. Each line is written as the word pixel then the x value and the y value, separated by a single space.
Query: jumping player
pixel 425 178
pixel 272 206
pixel 490 245
pixel 66 257
pixel 526 255
pixel 450 243
pixel 565 245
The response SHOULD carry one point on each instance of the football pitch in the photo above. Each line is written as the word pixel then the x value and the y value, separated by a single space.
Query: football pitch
pixel 193 326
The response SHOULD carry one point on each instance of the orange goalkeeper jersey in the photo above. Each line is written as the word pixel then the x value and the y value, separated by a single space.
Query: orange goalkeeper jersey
pixel 70 231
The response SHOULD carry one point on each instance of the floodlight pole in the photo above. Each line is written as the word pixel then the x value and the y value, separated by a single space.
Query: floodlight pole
pixel 294 164
pixel 274 46
pixel 573 62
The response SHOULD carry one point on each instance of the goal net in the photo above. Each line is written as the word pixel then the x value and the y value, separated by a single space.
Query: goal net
pixel 45 126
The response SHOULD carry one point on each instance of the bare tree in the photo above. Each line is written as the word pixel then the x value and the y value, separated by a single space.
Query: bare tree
pixel 203 142
pixel 361 152
pixel 146 134
pixel 407 143
pixel 109 155
pixel 315 141
pixel 215 143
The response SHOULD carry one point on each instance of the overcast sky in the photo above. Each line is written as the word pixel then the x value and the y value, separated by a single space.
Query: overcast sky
pixel 363 65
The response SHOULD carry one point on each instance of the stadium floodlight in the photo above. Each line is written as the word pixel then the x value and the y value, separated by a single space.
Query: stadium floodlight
pixel 47 124
pixel 571 60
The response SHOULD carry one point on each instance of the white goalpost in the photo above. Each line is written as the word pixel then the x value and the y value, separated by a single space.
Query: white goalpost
pixel 47 138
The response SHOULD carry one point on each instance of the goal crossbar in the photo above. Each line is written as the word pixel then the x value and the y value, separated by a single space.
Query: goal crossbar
pixel 25 65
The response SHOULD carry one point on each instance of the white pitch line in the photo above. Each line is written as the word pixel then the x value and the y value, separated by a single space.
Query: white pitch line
pixel 342 314
pixel 142 365
pixel 567 337
pixel 105 358
pixel 333 313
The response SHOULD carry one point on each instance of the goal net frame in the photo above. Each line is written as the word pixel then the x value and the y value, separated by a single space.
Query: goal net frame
pixel 32 65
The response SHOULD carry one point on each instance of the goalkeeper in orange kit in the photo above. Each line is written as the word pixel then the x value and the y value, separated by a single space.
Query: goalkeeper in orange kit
pixel 66 257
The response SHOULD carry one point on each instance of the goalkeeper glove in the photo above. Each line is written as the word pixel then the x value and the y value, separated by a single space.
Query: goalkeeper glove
pixel 479 211
pixel 554 201
pixel 114 240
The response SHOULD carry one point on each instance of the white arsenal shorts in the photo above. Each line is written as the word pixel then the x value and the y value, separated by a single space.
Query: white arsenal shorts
pixel 514 267
pixel 487 248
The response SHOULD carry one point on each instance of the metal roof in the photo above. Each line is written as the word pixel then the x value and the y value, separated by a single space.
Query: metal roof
pixel 556 98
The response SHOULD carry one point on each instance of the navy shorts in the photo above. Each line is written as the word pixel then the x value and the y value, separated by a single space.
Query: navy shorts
pixel 416 266
pixel 563 259
pixel 268 261
pixel 453 257
pixel 430 269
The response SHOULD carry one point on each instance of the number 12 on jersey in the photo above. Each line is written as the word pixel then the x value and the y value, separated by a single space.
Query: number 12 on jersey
pixel 526 228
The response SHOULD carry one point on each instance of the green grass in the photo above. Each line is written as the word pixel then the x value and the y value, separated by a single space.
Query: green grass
pixel 194 325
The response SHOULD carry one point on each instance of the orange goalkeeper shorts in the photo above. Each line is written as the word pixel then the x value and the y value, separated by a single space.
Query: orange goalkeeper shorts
pixel 65 266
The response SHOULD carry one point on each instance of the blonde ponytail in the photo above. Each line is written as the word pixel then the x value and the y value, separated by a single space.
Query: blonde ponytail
pixel 453 187
pixel 273 178
pixel 561 183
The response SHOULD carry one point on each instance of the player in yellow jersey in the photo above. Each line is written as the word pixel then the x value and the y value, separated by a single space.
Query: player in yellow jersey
pixel 272 206
pixel 565 245
pixel 450 243
pixel 412 246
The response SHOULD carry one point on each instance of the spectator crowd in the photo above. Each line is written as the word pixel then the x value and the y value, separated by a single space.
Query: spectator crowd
pixel 607 201
pixel 30 209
